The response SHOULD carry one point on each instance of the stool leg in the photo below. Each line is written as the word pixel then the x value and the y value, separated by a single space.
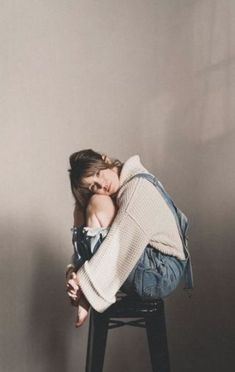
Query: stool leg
pixel 98 328
pixel 157 340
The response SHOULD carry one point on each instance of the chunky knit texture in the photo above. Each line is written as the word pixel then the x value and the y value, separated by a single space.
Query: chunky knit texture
pixel 143 218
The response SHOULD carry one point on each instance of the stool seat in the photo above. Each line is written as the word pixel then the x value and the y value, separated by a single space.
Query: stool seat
pixel 132 306
pixel 150 315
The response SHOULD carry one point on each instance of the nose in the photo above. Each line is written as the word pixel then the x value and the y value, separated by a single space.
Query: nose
pixel 101 184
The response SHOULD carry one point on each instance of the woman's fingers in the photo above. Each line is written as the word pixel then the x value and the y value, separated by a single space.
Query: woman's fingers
pixel 74 294
pixel 72 283
pixel 72 290
pixel 71 276
pixel 72 297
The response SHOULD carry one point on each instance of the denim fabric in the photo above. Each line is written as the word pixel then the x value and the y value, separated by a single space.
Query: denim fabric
pixel 86 241
pixel 154 276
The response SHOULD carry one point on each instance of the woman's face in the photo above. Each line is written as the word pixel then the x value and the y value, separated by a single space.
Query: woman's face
pixel 103 182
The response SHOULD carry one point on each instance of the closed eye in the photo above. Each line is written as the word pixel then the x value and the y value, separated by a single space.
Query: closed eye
pixel 93 187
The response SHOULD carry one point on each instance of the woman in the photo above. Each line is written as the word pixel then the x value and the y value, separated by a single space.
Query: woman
pixel 144 251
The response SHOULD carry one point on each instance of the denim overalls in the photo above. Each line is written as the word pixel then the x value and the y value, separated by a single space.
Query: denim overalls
pixel 155 274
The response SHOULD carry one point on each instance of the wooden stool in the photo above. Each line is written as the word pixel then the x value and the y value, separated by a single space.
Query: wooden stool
pixel 152 318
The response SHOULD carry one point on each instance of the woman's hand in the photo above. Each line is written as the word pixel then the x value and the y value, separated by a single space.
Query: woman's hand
pixel 72 287
pixel 77 298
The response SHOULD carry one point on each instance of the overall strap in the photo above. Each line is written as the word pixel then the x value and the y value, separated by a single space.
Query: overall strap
pixel 181 222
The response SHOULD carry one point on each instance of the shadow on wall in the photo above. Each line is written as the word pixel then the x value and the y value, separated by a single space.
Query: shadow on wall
pixel 55 340
pixel 36 317
pixel 47 331
pixel 207 195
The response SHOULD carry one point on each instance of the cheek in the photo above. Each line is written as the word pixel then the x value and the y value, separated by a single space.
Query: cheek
pixel 116 179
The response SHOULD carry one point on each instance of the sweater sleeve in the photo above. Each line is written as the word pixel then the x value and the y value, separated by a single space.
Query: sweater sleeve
pixel 102 276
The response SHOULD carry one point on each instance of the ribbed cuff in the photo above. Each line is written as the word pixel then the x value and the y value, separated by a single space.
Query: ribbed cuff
pixel 91 292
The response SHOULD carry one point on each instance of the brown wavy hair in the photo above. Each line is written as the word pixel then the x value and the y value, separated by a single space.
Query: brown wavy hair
pixel 85 163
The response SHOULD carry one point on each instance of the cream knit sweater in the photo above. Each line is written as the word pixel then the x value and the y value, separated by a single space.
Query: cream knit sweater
pixel 143 218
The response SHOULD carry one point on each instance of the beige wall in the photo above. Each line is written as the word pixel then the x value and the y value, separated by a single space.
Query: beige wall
pixel 150 77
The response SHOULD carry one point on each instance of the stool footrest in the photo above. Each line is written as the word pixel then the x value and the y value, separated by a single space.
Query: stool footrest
pixel 119 323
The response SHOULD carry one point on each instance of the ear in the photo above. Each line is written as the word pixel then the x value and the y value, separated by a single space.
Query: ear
pixel 106 159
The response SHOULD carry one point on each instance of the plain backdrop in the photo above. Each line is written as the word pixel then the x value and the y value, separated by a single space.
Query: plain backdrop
pixel 154 78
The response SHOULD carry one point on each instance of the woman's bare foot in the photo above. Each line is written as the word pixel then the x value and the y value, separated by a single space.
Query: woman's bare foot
pixel 82 311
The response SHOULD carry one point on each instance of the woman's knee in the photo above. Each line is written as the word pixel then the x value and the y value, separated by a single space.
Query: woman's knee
pixel 100 211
